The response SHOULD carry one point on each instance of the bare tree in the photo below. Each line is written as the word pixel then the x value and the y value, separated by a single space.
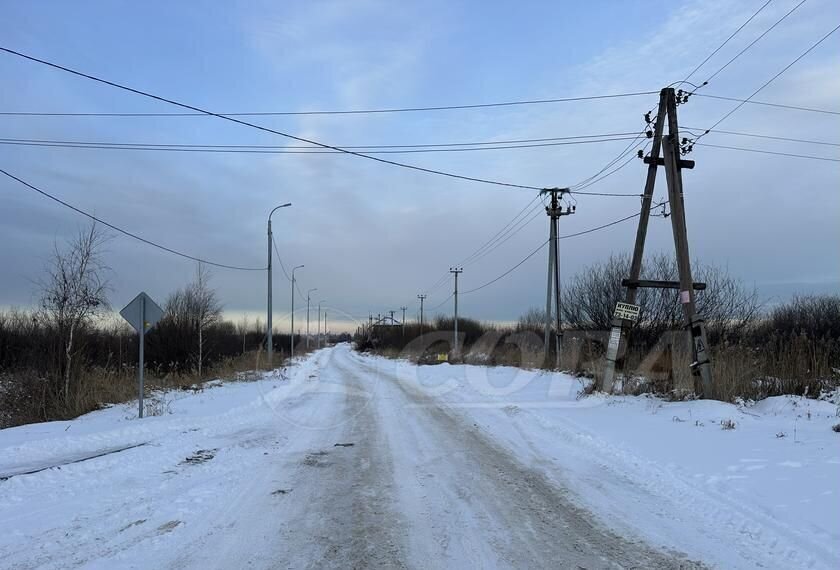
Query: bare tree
pixel 590 297
pixel 243 330
pixel 73 292
pixel 189 313
pixel 207 310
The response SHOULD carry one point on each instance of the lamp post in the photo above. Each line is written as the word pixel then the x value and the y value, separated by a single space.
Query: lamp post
pixel 269 345
pixel 318 342
pixel 307 314
pixel 292 341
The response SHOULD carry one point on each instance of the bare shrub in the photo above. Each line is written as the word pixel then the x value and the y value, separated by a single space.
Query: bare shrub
pixel 727 424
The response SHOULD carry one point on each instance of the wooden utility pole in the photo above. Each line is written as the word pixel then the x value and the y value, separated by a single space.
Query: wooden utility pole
pixel 670 147
pixel 554 211
pixel 403 309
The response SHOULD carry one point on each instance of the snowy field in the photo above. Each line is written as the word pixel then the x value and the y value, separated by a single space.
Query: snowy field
pixel 347 460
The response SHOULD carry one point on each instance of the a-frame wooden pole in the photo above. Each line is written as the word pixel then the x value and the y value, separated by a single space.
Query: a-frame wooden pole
pixel 616 346
pixel 671 153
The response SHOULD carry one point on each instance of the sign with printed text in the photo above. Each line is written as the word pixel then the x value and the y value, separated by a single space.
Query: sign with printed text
pixel 614 342
pixel 626 311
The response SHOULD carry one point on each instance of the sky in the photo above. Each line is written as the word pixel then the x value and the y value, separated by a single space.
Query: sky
pixel 373 236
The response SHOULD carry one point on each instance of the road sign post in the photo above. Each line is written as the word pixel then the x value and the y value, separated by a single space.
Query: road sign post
pixel 142 313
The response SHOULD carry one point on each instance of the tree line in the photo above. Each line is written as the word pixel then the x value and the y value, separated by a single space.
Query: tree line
pixel 792 347
pixel 69 354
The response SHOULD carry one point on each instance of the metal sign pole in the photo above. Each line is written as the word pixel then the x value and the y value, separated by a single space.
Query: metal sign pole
pixel 142 333
pixel 142 314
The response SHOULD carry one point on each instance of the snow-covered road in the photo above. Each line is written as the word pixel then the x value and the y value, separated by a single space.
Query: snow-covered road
pixel 360 462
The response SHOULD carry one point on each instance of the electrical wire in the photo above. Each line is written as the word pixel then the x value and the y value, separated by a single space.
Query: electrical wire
pixel 769 81
pixel 609 224
pixel 762 151
pixel 498 234
pixel 622 154
pixel 267 129
pixel 280 259
pixel 726 41
pixel 442 303
pixel 340 112
pixel 770 137
pixel 282 150
pixel 498 244
pixel 309 147
pixel 126 232
pixel 767 104
pixel 543 244
pixel 509 271
pixel 467 260
pixel 443 281
pixel 630 157
pixel 752 43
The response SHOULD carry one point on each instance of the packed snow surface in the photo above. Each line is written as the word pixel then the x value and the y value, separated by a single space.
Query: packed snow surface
pixel 347 460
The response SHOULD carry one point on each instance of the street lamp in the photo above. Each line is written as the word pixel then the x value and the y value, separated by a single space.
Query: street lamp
pixel 307 315
pixel 318 343
pixel 269 345
pixel 292 341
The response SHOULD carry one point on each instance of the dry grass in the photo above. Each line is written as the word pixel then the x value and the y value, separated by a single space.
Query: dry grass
pixel 23 396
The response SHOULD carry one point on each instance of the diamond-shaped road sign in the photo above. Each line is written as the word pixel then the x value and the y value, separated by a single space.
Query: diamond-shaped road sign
pixel 142 313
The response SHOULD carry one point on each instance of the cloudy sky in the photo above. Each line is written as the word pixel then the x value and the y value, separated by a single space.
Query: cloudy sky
pixel 373 236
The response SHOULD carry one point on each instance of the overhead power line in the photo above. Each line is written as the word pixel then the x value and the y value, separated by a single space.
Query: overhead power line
pixel 762 151
pixel 310 147
pixel 727 40
pixel 439 305
pixel 280 259
pixel 628 156
pixel 483 248
pixel 759 136
pixel 505 227
pixel 767 104
pixel 274 149
pixel 509 271
pixel 537 212
pixel 567 236
pixel 755 41
pixel 247 149
pixel 769 81
pixel 269 130
pixel 126 232
pixel 628 149
pixel 333 112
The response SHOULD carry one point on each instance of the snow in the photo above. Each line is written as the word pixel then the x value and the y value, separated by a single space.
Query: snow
pixel 764 494
pixel 225 475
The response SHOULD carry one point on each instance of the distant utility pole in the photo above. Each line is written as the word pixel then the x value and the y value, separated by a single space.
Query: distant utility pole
pixel 292 327
pixel 669 145
pixel 422 298
pixel 456 271
pixel 307 315
pixel 554 210
pixel 403 320
pixel 326 334
pixel 318 343
pixel 269 344
pixel 392 317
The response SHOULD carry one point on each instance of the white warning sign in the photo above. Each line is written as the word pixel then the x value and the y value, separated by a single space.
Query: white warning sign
pixel 626 311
